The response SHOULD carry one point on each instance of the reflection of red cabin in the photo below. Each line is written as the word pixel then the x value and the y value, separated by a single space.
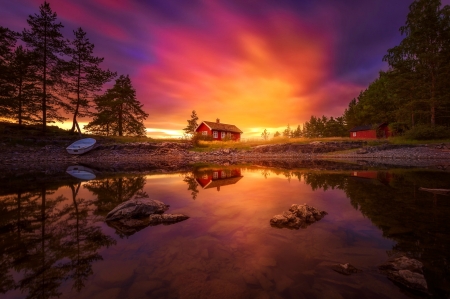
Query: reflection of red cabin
pixel 368 132
pixel 381 176
pixel 219 131
pixel 218 177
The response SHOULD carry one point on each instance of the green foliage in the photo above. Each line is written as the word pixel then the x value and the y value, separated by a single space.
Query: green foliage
pixel 427 132
pixel 324 127
pixel 420 64
pixel 118 111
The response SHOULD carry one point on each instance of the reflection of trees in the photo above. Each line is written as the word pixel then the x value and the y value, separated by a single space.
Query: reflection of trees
pixel 189 178
pixel 46 240
pixel 84 240
pixel 113 191
pixel 418 224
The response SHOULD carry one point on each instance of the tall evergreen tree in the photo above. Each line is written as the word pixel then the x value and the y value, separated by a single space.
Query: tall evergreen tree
pixel 118 111
pixel 45 40
pixel 287 132
pixel 424 54
pixel 8 40
pixel 85 77
pixel 192 124
pixel 23 106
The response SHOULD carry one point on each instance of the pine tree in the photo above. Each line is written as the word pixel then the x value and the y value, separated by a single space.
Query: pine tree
pixel 23 106
pixel 287 132
pixel 192 124
pixel 8 40
pixel 265 134
pixel 85 77
pixel 46 42
pixel 118 111
pixel 424 54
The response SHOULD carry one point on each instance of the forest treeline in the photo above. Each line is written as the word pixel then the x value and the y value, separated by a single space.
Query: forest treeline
pixel 45 77
pixel 413 95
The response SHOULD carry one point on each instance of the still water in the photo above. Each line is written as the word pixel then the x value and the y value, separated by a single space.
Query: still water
pixel 54 241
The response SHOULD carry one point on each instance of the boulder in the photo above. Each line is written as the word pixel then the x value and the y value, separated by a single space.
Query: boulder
pixel 298 216
pixel 407 272
pixel 135 214
pixel 137 208
pixel 129 226
pixel 346 269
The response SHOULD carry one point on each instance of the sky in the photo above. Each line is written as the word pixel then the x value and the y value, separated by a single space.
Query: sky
pixel 257 64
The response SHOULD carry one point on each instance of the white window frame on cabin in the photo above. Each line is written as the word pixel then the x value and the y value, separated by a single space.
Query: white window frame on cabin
pixel 215 134
pixel 354 134
pixel 204 133
pixel 222 135
pixel 215 175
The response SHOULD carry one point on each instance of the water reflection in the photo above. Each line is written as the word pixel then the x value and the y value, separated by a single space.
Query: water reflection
pixel 53 240
pixel 47 239
pixel 217 177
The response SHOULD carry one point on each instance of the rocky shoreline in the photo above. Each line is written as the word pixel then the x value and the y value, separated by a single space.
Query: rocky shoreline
pixel 180 154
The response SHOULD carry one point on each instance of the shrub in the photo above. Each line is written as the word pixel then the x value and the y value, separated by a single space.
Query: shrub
pixel 427 132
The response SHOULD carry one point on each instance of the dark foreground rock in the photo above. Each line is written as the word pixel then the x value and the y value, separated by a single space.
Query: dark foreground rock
pixel 406 271
pixel 136 214
pixel 298 216
pixel 346 269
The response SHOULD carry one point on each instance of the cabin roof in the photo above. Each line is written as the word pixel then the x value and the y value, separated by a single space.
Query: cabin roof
pixel 221 127
pixel 366 127
pixel 223 182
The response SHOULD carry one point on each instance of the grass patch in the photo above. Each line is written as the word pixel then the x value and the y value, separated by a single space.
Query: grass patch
pixel 206 146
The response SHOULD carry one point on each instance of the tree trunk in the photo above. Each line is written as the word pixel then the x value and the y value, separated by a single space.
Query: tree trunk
pixel 20 103
pixel 75 114
pixel 120 120
pixel 44 87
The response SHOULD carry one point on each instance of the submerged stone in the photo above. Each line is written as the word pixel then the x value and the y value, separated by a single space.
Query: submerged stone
pixel 407 272
pixel 346 269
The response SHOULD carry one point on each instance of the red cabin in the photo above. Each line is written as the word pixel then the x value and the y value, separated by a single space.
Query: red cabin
pixel 371 131
pixel 219 131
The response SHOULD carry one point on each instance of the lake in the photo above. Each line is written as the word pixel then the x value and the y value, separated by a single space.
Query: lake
pixel 54 241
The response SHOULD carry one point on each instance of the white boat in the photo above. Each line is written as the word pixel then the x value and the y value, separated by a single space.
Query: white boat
pixel 81 146
pixel 81 172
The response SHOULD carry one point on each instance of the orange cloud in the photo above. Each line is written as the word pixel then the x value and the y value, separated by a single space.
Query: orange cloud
pixel 255 74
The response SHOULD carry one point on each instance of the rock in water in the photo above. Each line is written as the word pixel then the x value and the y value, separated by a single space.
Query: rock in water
pixel 137 208
pixel 297 216
pixel 406 271
pixel 156 219
pixel 135 214
pixel 346 269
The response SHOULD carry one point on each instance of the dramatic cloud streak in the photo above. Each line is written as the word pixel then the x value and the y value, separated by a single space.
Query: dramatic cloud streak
pixel 256 64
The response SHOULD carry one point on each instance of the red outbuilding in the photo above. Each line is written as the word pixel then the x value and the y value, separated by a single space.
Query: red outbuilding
pixel 371 131
pixel 219 131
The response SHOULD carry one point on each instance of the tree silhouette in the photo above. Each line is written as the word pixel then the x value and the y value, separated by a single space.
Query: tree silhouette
pixel 45 40
pixel 118 111
pixel 85 77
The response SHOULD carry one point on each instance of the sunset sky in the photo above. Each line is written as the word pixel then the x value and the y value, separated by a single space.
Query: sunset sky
pixel 253 63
